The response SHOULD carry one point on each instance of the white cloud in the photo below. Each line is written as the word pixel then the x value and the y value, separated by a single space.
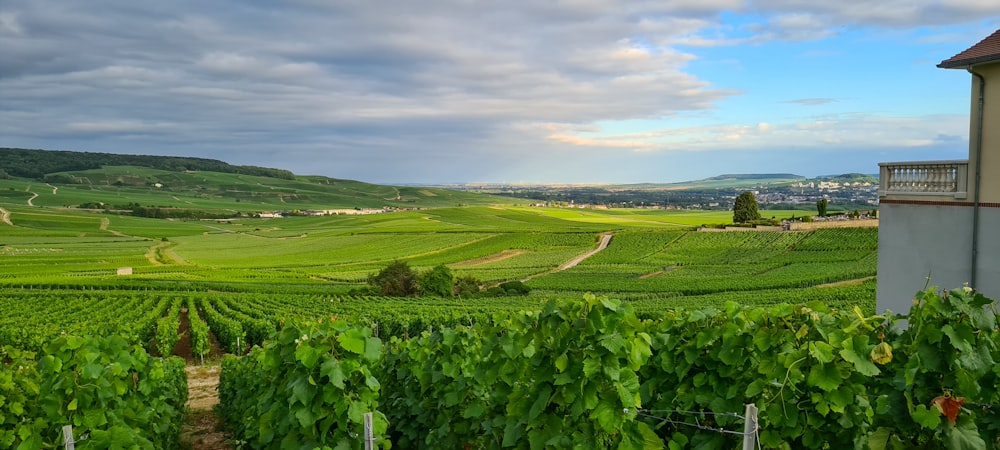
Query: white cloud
pixel 395 87
pixel 849 130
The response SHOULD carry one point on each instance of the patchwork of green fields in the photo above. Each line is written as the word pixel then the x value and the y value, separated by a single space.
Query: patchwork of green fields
pixel 225 192
pixel 654 260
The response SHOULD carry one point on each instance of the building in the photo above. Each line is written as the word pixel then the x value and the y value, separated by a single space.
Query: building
pixel 941 219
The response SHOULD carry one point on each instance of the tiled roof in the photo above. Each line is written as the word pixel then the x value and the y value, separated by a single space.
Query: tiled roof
pixel 986 50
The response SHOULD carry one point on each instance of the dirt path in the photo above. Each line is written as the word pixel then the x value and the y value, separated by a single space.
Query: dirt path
pixel 5 217
pixel 853 282
pixel 104 227
pixel 202 429
pixel 161 254
pixel 605 240
pixel 34 195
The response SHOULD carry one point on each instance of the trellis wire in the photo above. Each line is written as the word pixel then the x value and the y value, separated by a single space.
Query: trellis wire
pixel 751 433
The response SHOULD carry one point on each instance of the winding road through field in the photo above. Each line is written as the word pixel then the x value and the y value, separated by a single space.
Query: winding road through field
pixel 605 240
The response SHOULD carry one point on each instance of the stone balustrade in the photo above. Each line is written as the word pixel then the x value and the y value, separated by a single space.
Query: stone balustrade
pixel 920 178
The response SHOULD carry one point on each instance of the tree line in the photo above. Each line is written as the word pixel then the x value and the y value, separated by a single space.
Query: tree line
pixel 25 163
pixel 398 279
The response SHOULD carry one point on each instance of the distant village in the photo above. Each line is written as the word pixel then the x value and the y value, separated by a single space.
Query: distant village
pixel 324 212
pixel 848 195
pixel 798 195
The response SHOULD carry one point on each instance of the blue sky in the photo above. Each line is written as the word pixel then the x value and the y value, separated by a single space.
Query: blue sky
pixel 444 91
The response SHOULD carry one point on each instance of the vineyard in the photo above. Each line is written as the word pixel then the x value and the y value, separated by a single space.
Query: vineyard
pixel 581 373
pixel 557 368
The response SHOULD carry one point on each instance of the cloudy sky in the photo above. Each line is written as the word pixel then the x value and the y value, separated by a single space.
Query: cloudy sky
pixel 405 91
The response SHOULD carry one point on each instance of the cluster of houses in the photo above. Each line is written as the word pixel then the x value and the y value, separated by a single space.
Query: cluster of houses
pixel 324 212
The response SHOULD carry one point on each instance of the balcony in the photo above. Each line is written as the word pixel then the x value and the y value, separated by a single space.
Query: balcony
pixel 924 178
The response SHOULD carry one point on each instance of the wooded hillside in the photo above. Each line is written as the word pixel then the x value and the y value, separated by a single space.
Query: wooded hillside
pixel 27 163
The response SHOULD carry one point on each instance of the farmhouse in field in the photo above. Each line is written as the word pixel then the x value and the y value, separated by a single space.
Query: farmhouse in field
pixel 941 219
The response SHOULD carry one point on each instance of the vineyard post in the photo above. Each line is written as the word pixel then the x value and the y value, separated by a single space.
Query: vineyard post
pixel 750 427
pixel 68 437
pixel 369 434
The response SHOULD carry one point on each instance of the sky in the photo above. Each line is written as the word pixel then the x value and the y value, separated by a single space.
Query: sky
pixel 513 91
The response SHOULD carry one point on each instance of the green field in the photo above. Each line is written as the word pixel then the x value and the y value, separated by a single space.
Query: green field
pixel 655 260
pixel 117 186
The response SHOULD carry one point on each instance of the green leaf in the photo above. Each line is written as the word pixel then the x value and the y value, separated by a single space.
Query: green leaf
pixel 649 438
pixel 822 351
pixel 964 436
pixel 541 401
pixel 607 415
pixel 591 366
pixel 74 342
pixel 307 355
pixel 561 362
pixel 353 341
pixel 854 353
pixel 512 433
pixel 612 371
pixel 332 369
pixel 302 391
pixel 373 348
pixel 92 371
pixel 878 439
pixel 961 338
pixel 305 416
pixel 928 418
pixel 825 376
pixel 756 387
pixel 475 409
pixel 613 342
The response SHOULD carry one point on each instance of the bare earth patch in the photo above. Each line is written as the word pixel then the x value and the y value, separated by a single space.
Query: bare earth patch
pixel 202 429
pixel 5 217
pixel 844 283
pixel 506 254
pixel 203 384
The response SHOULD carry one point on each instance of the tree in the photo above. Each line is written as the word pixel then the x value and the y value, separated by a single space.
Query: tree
pixel 745 208
pixel 467 286
pixel 437 281
pixel 821 207
pixel 515 288
pixel 396 280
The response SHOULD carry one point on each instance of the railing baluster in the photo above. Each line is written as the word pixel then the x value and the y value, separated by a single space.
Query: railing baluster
pixel 932 177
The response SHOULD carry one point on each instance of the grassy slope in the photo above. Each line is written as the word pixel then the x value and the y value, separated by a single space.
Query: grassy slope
pixel 226 192
pixel 491 243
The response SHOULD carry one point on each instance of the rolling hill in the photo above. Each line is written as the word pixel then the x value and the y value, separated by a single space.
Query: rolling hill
pixel 100 180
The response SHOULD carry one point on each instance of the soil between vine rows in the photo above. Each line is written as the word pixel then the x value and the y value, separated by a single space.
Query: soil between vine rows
pixel 202 429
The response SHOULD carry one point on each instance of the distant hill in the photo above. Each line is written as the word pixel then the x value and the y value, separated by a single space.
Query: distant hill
pixel 19 162
pixel 103 180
